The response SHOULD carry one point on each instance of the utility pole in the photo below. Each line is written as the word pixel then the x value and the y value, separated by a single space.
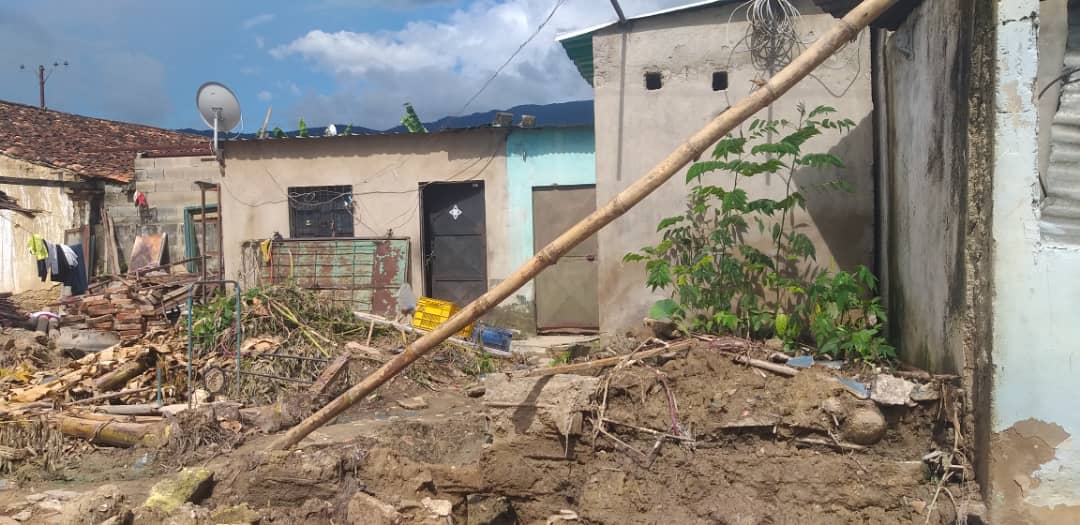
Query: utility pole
pixel 44 77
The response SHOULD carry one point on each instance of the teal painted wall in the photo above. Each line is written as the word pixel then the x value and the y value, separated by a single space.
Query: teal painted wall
pixel 542 157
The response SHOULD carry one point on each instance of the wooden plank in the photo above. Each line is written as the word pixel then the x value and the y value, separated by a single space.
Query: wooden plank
pixel 330 374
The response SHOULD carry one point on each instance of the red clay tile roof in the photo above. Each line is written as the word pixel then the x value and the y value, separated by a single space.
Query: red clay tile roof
pixel 90 147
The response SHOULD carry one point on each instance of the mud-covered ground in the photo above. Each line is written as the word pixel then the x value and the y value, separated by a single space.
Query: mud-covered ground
pixel 689 439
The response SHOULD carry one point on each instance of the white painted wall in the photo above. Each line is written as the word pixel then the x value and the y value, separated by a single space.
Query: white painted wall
pixel 18 269
pixel 1036 338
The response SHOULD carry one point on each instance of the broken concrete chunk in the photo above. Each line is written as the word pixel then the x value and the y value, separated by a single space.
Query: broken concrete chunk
pixel 558 401
pixel 236 514
pixel 925 393
pixel 864 426
pixel 4 520
pixel 365 508
pixel 891 390
pixel 485 509
pixel 23 516
pixel 413 403
pixel 438 507
pixel 191 484
pixel 90 508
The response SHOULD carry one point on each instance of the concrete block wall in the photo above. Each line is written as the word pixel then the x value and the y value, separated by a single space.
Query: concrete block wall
pixel 169 186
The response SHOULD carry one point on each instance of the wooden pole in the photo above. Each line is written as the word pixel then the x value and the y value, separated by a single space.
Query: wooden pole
pixel 843 32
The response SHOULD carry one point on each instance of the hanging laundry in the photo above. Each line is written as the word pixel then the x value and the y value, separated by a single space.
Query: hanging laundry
pixel 52 257
pixel 36 244
pixel 72 259
pixel 62 273
pixel 78 274
pixel 140 200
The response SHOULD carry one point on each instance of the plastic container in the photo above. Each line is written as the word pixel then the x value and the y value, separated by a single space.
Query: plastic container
pixel 430 313
pixel 493 337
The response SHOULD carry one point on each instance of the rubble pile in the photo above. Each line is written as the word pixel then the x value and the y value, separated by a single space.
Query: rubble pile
pixel 129 308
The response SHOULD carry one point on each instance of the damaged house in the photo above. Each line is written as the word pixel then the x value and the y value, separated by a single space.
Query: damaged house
pixel 65 168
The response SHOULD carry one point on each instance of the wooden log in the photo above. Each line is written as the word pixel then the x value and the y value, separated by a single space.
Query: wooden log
pixel 120 377
pixel 94 416
pixel 841 34
pixel 113 433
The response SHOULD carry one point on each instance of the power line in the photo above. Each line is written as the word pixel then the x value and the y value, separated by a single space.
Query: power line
pixel 539 28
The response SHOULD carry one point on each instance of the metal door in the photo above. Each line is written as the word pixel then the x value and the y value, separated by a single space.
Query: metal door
pixel 455 248
pixel 566 294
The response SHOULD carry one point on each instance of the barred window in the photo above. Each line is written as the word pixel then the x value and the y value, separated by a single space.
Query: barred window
pixel 321 211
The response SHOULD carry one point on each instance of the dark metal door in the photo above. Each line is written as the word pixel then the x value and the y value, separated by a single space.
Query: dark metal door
pixel 566 295
pixel 455 249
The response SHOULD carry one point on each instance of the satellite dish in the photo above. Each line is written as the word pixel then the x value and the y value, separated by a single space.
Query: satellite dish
pixel 218 107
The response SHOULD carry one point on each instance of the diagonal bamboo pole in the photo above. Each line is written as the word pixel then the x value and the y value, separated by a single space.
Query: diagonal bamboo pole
pixel 843 32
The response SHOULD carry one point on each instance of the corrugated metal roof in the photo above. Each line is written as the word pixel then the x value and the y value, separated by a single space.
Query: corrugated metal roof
pixel 406 133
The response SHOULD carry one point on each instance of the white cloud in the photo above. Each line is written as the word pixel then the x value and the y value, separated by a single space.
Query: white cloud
pixel 438 65
pixel 259 42
pixel 264 96
pixel 256 20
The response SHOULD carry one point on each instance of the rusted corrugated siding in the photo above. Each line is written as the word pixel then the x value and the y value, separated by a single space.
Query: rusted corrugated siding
pixel 362 274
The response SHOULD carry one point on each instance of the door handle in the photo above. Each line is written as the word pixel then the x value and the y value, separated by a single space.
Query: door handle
pixel 590 258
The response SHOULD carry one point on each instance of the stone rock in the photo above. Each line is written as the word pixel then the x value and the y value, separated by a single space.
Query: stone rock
pixel 475 391
pixel 364 508
pixel 413 403
pixel 52 505
pixel 833 407
pixel 864 426
pixel 4 520
pixel 23 516
pixel 891 390
pixel 237 514
pixel 34 498
pixel 190 485
pixel 484 509
pixel 62 495
pixel 560 398
pixel 96 506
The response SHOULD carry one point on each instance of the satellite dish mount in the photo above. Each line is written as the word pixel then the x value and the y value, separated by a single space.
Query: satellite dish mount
pixel 219 109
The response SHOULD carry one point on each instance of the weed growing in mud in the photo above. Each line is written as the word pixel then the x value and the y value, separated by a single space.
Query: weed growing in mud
pixel 721 283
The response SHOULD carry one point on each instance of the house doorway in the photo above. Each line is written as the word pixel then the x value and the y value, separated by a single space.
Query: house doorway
pixel 566 294
pixel 453 237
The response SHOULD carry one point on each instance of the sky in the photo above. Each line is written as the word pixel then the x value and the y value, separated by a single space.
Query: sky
pixel 341 61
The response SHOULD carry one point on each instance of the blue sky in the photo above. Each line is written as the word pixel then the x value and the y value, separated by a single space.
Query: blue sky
pixel 324 60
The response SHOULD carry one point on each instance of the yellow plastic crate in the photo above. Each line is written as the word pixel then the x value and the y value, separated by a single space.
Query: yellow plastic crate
pixel 430 313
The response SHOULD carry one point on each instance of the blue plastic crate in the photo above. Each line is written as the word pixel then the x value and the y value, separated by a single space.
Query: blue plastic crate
pixel 493 337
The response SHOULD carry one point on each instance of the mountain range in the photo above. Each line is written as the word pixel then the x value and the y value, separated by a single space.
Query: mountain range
pixel 573 113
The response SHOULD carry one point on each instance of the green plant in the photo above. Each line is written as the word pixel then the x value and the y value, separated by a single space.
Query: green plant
pixel 845 317
pixel 484 363
pixel 348 130
pixel 563 359
pixel 278 133
pixel 719 281
pixel 303 128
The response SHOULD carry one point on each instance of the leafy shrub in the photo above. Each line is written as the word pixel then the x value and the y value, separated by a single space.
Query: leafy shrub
pixel 721 283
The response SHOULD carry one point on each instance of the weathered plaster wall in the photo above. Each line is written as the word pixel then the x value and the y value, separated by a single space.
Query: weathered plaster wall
pixel 926 71
pixel 385 172
pixel 169 185
pixel 536 158
pixel 18 269
pixel 637 128
pixel 1035 464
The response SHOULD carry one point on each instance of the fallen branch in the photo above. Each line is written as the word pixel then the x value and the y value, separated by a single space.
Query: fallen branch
pixel 827 44
pixel 783 370
pixel 841 445
pixel 111 395
pixel 608 361
pixel 646 430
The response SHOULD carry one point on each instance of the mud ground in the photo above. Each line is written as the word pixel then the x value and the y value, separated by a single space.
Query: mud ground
pixel 738 458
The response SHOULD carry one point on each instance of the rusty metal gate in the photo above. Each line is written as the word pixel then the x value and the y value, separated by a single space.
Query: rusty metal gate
pixel 566 294
pixel 455 250
pixel 361 274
